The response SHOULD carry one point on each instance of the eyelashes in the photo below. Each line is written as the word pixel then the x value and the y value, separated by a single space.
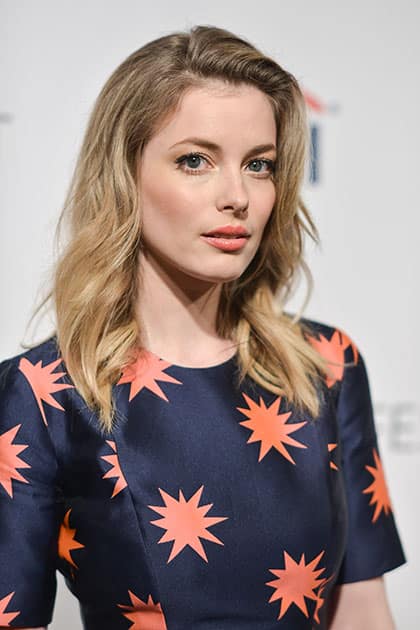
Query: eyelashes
pixel 181 161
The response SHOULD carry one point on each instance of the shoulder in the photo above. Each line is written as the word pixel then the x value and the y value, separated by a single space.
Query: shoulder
pixel 27 404
pixel 344 361
pixel 32 378
pixel 332 341
pixel 45 352
pixel 322 329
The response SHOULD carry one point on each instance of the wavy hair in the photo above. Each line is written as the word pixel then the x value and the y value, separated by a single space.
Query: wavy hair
pixel 94 285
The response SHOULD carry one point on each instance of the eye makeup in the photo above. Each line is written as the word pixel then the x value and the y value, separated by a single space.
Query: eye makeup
pixel 183 159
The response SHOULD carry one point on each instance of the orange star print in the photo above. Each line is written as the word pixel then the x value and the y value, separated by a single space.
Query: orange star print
pixel 144 615
pixel 42 380
pixel 295 582
pixel 66 540
pixel 331 446
pixel 378 488
pixel 9 460
pixel 333 351
pixel 115 471
pixel 143 374
pixel 7 617
pixel 319 602
pixel 270 428
pixel 185 523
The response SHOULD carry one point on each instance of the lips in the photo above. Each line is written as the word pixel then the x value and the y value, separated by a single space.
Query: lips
pixel 227 244
pixel 224 235
pixel 228 231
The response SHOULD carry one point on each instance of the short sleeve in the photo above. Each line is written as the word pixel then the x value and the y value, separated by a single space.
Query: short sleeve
pixel 29 518
pixel 373 542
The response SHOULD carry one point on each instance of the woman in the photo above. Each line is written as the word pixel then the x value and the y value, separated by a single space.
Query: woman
pixel 183 450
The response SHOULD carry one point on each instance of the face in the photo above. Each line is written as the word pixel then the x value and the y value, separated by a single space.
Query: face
pixel 209 166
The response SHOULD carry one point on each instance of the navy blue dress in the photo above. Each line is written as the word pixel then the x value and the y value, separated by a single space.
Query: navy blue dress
pixel 209 507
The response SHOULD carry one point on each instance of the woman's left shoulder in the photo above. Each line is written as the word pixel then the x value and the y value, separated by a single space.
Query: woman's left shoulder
pixel 332 341
pixel 325 329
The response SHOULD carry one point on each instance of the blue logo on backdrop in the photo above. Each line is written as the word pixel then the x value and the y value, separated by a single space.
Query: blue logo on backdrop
pixel 317 111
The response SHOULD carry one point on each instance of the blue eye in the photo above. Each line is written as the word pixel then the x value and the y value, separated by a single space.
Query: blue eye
pixel 268 163
pixel 191 158
pixel 190 162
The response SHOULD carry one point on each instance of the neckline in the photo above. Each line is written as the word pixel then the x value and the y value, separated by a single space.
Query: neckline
pixel 198 368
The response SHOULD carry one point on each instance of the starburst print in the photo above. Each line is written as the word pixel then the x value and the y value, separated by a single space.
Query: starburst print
pixel 319 602
pixel 143 374
pixel 185 522
pixel 9 460
pixel 295 582
pixel 42 380
pixel 7 617
pixel 270 428
pixel 66 540
pixel 115 471
pixel 144 615
pixel 378 488
pixel 333 351
pixel 331 447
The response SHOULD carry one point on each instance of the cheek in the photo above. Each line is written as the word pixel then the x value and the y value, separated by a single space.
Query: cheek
pixel 165 206
pixel 263 205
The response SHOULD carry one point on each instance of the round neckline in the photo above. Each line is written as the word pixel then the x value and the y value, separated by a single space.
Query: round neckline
pixel 195 367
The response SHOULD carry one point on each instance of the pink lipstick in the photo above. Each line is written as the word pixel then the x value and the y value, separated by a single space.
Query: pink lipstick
pixel 227 237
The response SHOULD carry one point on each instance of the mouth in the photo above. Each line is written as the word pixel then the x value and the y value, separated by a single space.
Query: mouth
pixel 229 243
pixel 223 235
pixel 228 231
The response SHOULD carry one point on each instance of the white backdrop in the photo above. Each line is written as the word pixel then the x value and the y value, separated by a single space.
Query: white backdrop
pixel 361 61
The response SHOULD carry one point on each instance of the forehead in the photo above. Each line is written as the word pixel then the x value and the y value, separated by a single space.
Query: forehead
pixel 221 111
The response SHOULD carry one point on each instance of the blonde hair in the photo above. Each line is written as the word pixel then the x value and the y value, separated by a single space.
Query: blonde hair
pixel 95 280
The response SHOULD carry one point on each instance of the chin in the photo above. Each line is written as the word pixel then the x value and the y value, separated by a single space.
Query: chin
pixel 227 269
pixel 217 278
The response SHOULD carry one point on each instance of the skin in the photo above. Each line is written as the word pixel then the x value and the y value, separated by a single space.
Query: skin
pixel 361 606
pixel 180 273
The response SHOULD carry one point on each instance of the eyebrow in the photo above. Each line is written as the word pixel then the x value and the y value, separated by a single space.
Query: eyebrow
pixel 211 146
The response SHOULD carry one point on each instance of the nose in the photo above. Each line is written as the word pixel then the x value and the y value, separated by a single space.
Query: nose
pixel 231 193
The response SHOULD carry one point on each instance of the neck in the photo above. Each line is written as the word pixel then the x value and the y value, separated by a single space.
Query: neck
pixel 177 315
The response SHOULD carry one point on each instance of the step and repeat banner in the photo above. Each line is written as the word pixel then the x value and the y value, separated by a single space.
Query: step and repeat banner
pixel 358 65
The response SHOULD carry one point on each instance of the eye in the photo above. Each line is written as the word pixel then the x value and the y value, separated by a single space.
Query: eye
pixel 193 159
pixel 264 161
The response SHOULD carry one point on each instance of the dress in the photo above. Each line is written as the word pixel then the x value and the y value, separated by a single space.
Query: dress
pixel 210 507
